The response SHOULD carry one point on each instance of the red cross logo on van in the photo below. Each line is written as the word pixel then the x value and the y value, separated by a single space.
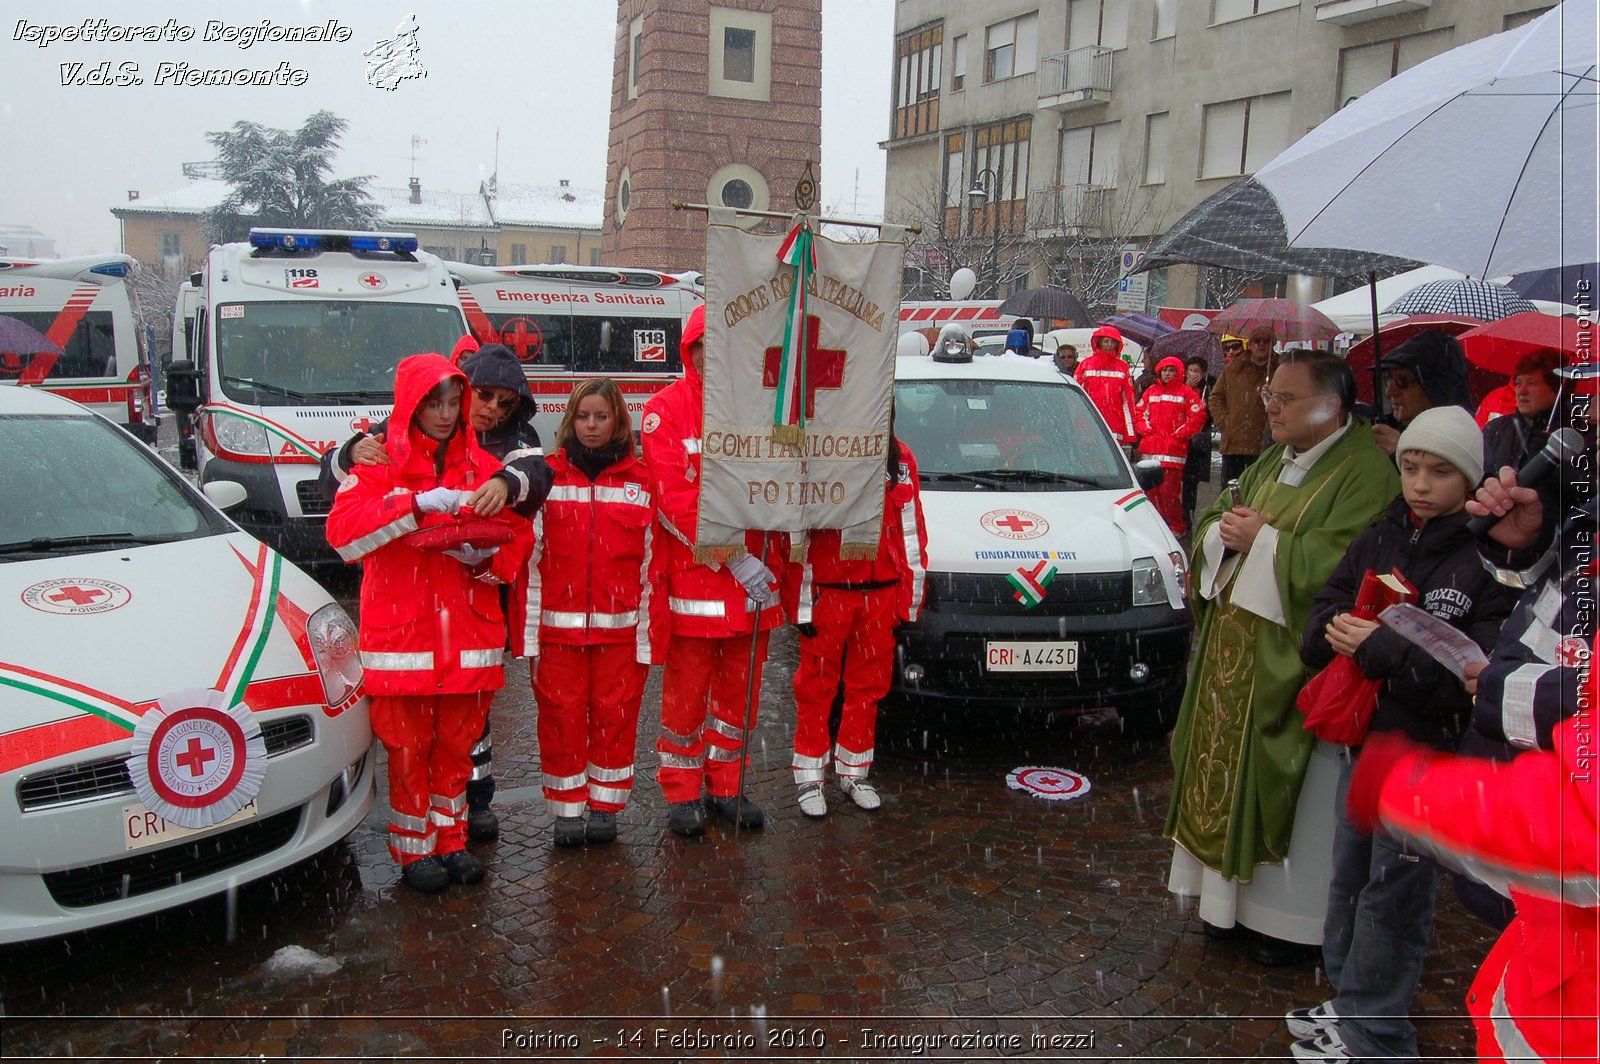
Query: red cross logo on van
pixel 524 337
pixel 373 281
pixel 1014 524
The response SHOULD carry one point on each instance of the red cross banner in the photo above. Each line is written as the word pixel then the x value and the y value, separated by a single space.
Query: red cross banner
pixel 799 369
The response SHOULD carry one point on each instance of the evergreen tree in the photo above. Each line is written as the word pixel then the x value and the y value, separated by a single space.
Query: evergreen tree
pixel 280 179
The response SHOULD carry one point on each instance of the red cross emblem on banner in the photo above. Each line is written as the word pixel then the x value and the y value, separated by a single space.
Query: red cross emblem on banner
pixel 78 596
pixel 524 337
pixel 824 366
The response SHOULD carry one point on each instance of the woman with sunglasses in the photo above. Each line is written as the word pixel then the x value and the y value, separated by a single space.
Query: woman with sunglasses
pixel 500 409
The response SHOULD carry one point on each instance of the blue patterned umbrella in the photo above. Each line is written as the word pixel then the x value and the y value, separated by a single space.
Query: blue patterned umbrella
pixel 1141 328
pixel 1484 300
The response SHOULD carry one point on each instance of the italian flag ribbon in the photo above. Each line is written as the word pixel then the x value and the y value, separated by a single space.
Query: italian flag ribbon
pixel 1031 584
pixel 81 697
pixel 1131 500
pixel 252 639
pixel 789 408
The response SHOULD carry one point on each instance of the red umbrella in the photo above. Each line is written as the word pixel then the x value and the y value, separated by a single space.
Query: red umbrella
pixel 1359 357
pixel 1289 320
pixel 1500 345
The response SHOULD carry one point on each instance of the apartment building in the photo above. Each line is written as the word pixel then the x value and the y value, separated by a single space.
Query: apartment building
pixel 1047 141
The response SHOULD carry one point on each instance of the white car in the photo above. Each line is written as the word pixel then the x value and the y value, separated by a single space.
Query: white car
pixel 181 711
pixel 1052 581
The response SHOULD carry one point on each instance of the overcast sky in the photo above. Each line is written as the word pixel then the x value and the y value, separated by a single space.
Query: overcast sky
pixel 536 71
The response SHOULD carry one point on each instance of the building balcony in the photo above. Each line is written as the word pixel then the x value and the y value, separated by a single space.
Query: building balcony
pixel 1079 78
pixel 1069 210
pixel 1352 12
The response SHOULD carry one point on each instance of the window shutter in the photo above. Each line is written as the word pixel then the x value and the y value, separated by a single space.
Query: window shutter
pixel 1114 24
pixel 1155 149
pixel 1075 149
pixel 1268 133
pixel 1420 47
pixel 1229 10
pixel 1222 136
pixel 1107 147
pixel 1027 60
pixel 1083 28
pixel 1363 69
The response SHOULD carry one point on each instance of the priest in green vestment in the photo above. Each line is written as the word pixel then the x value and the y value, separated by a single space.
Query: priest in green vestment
pixel 1240 754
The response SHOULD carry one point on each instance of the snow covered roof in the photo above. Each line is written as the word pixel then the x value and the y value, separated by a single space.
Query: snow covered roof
pixel 534 206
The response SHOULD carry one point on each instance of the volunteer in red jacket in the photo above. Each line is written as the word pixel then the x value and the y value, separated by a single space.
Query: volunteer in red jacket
pixel 1104 375
pixel 712 611
pixel 1528 828
pixel 1168 413
pixel 846 611
pixel 432 632
pixel 583 614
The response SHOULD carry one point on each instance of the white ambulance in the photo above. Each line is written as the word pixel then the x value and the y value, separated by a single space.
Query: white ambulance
pixel 85 306
pixel 981 317
pixel 142 770
pixel 293 345
pixel 1052 581
pixel 568 323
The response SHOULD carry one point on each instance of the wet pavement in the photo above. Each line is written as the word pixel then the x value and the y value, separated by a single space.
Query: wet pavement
pixel 963 920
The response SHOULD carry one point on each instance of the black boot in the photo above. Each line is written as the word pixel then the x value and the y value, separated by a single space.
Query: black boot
pixel 747 812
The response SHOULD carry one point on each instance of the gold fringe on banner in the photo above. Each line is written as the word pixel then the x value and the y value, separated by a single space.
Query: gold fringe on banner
pixel 789 435
pixel 721 555
pixel 858 552
pixel 797 550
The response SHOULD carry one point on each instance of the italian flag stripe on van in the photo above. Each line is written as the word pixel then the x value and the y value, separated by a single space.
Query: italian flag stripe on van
pixel 1132 499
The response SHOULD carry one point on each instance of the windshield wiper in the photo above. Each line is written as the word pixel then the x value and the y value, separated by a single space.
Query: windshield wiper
pixel 47 544
pixel 263 386
pixel 357 396
pixel 963 478
pixel 1040 476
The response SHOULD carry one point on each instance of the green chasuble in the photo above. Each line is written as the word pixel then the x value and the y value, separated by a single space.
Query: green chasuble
pixel 1239 752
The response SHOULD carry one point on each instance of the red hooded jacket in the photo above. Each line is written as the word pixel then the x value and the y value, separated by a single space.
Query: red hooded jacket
pixel 588 581
pixel 902 552
pixel 428 625
pixel 1167 415
pixel 702 601
pixel 1105 376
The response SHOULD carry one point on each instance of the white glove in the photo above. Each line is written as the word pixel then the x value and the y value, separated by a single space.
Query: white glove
pixel 756 578
pixel 471 556
pixel 439 501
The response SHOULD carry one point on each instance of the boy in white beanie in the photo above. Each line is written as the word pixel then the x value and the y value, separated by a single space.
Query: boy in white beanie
pixel 1380 899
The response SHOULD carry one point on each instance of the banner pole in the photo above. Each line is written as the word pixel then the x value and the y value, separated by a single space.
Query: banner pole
pixel 680 205
pixel 749 697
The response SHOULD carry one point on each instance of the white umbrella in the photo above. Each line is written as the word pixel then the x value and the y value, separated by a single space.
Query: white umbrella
pixel 1481 159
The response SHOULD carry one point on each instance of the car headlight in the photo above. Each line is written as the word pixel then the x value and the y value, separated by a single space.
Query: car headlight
pixel 238 435
pixel 1180 571
pixel 1149 589
pixel 335 646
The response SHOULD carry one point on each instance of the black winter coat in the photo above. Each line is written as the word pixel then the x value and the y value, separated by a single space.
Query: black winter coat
pixel 1419 697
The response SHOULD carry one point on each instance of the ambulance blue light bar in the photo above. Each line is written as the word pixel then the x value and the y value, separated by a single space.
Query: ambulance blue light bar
pixel 111 269
pixel 331 240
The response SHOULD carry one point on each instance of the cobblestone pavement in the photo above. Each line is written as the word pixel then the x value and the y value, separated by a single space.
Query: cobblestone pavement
pixel 960 910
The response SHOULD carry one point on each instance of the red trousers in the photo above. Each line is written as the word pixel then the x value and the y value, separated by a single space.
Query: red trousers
pixel 1168 497
pixel 429 739
pixel 855 639
pixel 702 699
pixel 588 720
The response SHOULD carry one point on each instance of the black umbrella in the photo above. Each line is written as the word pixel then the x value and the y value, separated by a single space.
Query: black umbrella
pixel 1241 228
pixel 1054 303
pixel 1186 343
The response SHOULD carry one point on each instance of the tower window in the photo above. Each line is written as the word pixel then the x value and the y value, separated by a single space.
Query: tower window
pixel 739 54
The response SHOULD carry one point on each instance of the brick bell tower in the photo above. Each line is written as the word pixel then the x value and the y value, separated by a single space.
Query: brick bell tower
pixel 717 103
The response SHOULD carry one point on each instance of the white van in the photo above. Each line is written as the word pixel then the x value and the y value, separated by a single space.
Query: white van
pixel 568 323
pixel 293 344
pixel 85 306
pixel 1052 581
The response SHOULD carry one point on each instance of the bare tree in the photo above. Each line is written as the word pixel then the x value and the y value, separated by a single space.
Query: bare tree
pixel 155 291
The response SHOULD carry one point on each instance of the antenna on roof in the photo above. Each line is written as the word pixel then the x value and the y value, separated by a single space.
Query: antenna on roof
pixel 494 177
pixel 416 142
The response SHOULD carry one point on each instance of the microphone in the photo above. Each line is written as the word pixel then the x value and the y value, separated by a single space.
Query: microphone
pixel 1561 447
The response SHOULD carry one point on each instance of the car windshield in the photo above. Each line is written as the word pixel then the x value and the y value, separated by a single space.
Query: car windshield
pixel 76 485
pixel 1021 435
pixel 324 352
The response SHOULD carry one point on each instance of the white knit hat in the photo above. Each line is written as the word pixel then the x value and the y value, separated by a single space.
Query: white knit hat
pixel 1449 432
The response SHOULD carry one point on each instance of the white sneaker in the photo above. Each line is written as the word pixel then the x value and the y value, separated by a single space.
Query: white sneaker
pixel 812 803
pixel 1325 1047
pixel 860 791
pixel 1309 1023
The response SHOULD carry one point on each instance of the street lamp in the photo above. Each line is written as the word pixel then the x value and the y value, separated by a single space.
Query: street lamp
pixel 985 183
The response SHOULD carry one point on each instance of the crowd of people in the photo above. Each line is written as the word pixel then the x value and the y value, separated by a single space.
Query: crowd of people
pixel 584 562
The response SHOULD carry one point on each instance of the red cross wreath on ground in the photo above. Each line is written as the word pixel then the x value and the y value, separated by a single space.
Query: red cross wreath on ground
pixel 1051 784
